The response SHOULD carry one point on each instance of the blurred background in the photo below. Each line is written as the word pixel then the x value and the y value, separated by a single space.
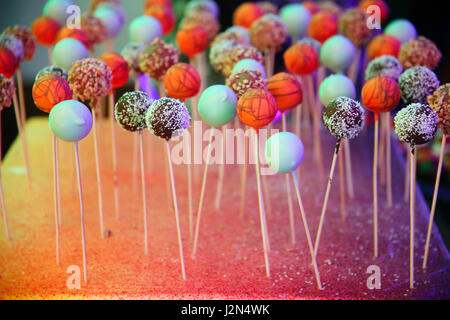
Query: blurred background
pixel 430 20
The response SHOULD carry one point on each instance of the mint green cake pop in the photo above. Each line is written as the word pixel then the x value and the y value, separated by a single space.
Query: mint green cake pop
pixel 144 29
pixel 70 120
pixel 336 86
pixel 297 18
pixel 67 51
pixel 401 29
pixel 217 105
pixel 337 53
pixel 284 152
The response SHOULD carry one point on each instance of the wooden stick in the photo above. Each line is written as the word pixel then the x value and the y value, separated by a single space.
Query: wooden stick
pixel 162 93
pixel 221 170
pixel 327 194
pixel 269 57
pixel 265 239
pixel 22 138
pixel 288 189
pixel 244 176
pixel 136 145
pixel 382 149
pixel 388 161
pixel 2 195
pixel 348 170
pixel 412 191
pixel 342 185
pixel 202 193
pixel 114 154
pixel 406 184
pixel 144 192
pixel 375 188
pixel 50 55
pixel 187 146
pixel 56 196
pixel 80 193
pixel 58 183
pixel 308 234
pixel 23 116
pixel 99 176
pixel 177 216
pixel 433 204
pixel 354 67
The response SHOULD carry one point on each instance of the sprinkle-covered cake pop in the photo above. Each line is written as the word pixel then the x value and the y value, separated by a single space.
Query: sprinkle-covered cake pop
pixel 401 29
pixel 286 90
pixel 94 29
pixel 219 53
pixel 90 79
pixel 249 65
pixel 383 45
pixel 416 124
pixel 70 120
pixel 256 108
pixel 49 90
pixel 238 53
pixel 45 30
pixel 417 83
pixel 217 105
pixel 131 109
pixel 385 65
pixel 246 14
pixel 164 15
pixel 22 33
pixel 440 103
pixel 144 29
pixel 419 52
pixel 301 59
pixel 344 118
pixel 204 19
pixel 67 51
pixel 13 44
pixel 118 66
pixel 53 70
pixel 192 39
pixel 157 58
pixel 268 32
pixel 322 26
pixel 232 35
pixel 194 6
pixel 353 25
pixel 335 86
pixel 242 81
pixel 8 62
pixel 76 34
pixel 337 53
pixel 381 94
pixel 7 90
pixel 182 81
pixel 167 118
pixel 132 54
pixel 57 9
pixel 244 32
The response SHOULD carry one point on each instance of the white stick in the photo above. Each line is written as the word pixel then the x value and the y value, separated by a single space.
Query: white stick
pixel 23 138
pixel 23 116
pixel 2 195
pixel 308 234
pixel 177 217
pixel 342 186
pixel 221 171
pixel 114 154
pixel 99 177
pixel 433 205
pixel 144 192
pixel 136 144
pixel 388 161
pixel 269 57
pixel 58 184
pixel 244 177
pixel 56 196
pixel 412 194
pixel 288 189
pixel 406 183
pixel 348 170
pixel 202 194
pixel 80 193
pixel 375 188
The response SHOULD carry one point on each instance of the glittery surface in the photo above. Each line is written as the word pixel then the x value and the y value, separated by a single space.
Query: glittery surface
pixel 385 65
pixel 52 69
pixel 7 89
pixel 417 83
pixel 268 32
pixel 234 36
pixel 130 110
pixel 419 52
pixel 157 58
pixel 344 118
pixel 440 103
pixel 132 54
pixel 94 29
pixel 242 81
pixel 219 52
pixel 24 35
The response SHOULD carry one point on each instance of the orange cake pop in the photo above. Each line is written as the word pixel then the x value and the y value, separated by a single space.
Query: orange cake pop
pixel 164 15
pixel 8 62
pixel 151 3
pixel 205 19
pixel 118 66
pixel 257 108
pixel 45 30
pixel 192 39
pixel 365 4
pixel 76 34
pixel 311 6
pixel 301 59
pixel 383 45
pixel 182 81
pixel 381 94
pixel 353 25
pixel 246 14
pixel 323 25
pixel 286 90
pixel 49 90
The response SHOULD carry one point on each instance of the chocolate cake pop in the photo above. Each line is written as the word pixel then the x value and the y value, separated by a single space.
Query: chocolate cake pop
pixel 130 110
pixel 238 53
pixel 7 90
pixel 22 33
pixel 94 29
pixel 157 58
pixel 419 52
pixel 440 103
pixel 385 65
pixel 417 83
pixel 353 25
pixel 13 44
pixel 132 54
pixel 242 81
pixel 416 124
pixel 268 32
pixel 167 118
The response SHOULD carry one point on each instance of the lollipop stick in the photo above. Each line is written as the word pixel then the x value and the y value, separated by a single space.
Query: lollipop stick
pixel 382 149
pixel 56 195
pixel 433 204
pixel 99 178
pixel 144 192
pixel 177 217
pixel 388 161
pixel 136 144
pixel 2 195
pixel 406 184
pixel 202 194
pixel 114 154
pixel 342 186
pixel 269 57
pixel 412 194
pixel 187 146
pixel 244 178
pixel 80 193
pixel 354 68
pixel 327 194
pixel 375 188
pixel 23 138
pixel 348 169
pixel 23 116
pixel 50 55
pixel 58 184
pixel 288 189
pixel 221 170
pixel 261 208
pixel 305 225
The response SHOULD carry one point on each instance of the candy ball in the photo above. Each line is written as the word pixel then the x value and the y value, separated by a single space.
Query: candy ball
pixel 110 20
pixel 416 124
pixel 235 36
pixel 240 52
pixel 246 14
pixel 301 59
pixel 204 19
pixel 383 45
pixel 419 52
pixel 353 25
pixel 244 32
pixel 164 15
pixel 344 118
pixel 250 65
pixel 8 62
pixel 312 42
pixel 387 66
pixel 256 108
pixel 322 26
pixel 384 9
pixel 94 28
pixel 167 118
pixel 242 81
pixel 330 7
pixel 157 58
pixel 117 8
pixel 7 90
pixel 286 90
pixel 76 34
pixel 401 29
pixel 202 5
pixel 440 103
pixel 217 105
pixel 192 39
pixel 182 81
pixel 57 9
pixel 151 3
pixel 337 53
pixel 268 32
pixel 49 90
pixel 67 51
pixel 118 66
pixel 53 70
pixel 145 29
pixel 336 86
pixel 381 94
pixel 132 54
pixel 312 6
pixel 45 30
pixel 297 18
pixel 13 44
pixel 284 152
pixel 218 54
pixel 22 33
pixel 130 110
pixel 70 120
pixel 417 83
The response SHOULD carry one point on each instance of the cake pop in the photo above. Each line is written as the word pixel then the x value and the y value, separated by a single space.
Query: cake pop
pixel 151 3
pixel 337 62
pixel 322 26
pixel 164 15
pixel 353 25
pixel 301 59
pixel 385 65
pixel 417 83
pixel 8 62
pixel 268 7
pixel 242 81
pixel 116 7
pixel 244 32
pixel 110 19
pixel 192 39
pixel 57 9
pixel 234 36
pixel 250 65
pixel 52 70
pixel 132 54
pixel 246 13
pixel 145 29
pixel 219 52
pixel 94 29
pixel 157 58
pixel 268 33
pixel 67 51
pixel 286 90
pixel 204 19
pixel 76 34
pixel 14 45
pixel 95 4
pixel 22 33
pixel 312 42
pixel 237 53
pixel 297 18
pixel 419 52
pixel 381 4
pixel 49 90
pixel 401 29
pixel 383 45
pixel 45 30
pixel 118 66
pixel 182 81
pixel 330 7
pixel 336 86
pixel 194 6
